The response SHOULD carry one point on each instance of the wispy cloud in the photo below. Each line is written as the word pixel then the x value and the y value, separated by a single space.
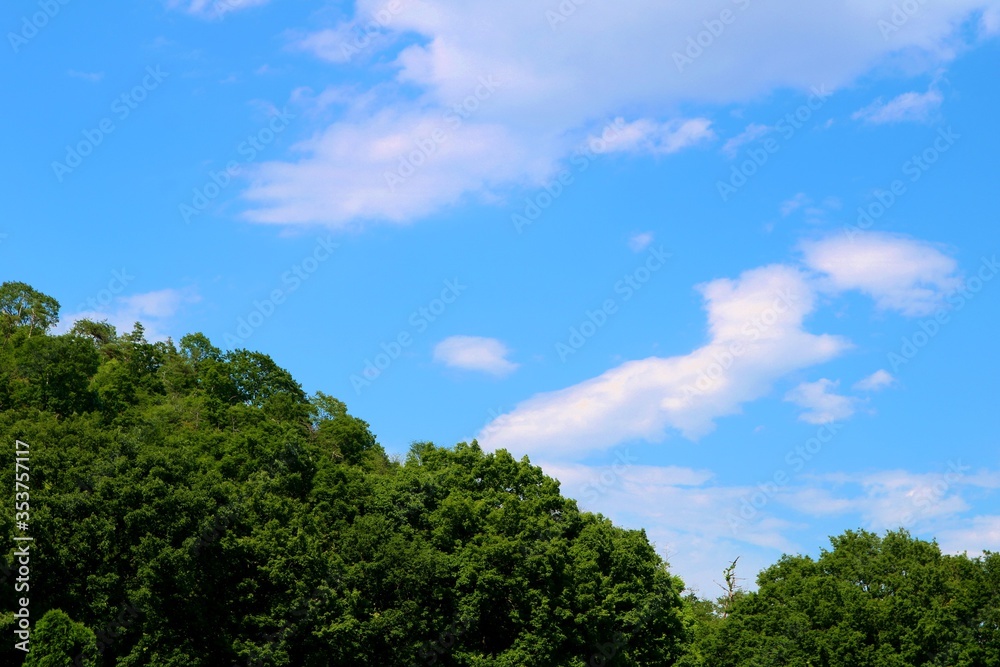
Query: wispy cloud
pixel 639 242
pixel 155 310
pixel 213 8
pixel 880 379
pixel 330 44
pixel 821 405
pixel 908 107
pixel 752 132
pixel 789 206
pixel 756 336
pixel 686 512
pixel 344 178
pixel 902 274
pixel 652 137
pixel 701 523
pixel 893 498
pixel 981 533
pixel 475 353
pixel 989 23
pixel 555 93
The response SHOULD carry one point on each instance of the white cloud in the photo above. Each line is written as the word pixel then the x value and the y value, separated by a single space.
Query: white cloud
pixel 159 304
pixel 702 524
pixel 340 43
pixel 990 22
pixel 587 480
pixel 894 498
pixel 328 44
pixel 752 132
pixel 877 381
pixel 475 353
pixel 686 513
pixel 822 406
pixel 557 89
pixel 902 274
pixel 153 309
pixel 649 136
pixel 395 168
pixel 756 337
pixel 981 533
pixel 639 242
pixel 908 107
pixel 213 8
pixel 390 167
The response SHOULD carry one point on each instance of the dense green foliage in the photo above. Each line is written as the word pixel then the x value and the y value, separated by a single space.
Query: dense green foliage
pixel 194 507
pixel 871 601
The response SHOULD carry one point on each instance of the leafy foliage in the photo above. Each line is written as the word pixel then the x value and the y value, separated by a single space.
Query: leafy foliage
pixel 870 601
pixel 26 311
pixel 194 507
pixel 59 642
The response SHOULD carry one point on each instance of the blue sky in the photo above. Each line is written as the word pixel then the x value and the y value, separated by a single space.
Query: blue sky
pixel 625 240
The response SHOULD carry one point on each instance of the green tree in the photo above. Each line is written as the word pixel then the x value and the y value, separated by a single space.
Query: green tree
pixel 59 641
pixel 53 373
pixel 23 308
pixel 345 437
pixel 194 508
pixel 101 334
pixel 870 601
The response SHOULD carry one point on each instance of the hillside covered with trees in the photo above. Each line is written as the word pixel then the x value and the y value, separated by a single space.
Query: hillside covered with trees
pixel 195 507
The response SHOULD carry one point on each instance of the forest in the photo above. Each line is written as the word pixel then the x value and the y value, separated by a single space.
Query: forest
pixel 192 506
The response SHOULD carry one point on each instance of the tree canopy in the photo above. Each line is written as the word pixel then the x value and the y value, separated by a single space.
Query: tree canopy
pixel 870 601
pixel 192 506
pixel 195 507
pixel 25 310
